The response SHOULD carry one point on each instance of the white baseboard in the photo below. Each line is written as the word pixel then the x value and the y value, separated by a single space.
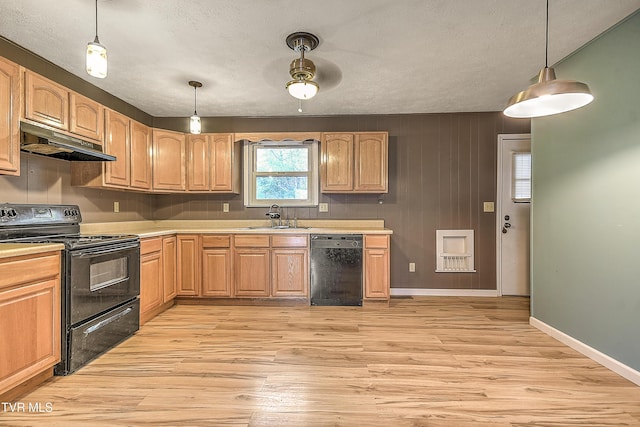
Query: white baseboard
pixel 444 292
pixel 593 354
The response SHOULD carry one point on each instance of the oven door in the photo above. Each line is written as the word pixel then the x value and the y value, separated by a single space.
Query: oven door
pixel 101 278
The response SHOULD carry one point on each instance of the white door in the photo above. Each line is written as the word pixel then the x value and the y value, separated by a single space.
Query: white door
pixel 512 214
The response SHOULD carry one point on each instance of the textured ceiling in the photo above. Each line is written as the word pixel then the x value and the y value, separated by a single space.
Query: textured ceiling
pixel 374 56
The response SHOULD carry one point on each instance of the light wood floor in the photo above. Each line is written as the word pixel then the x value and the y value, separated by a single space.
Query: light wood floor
pixel 430 361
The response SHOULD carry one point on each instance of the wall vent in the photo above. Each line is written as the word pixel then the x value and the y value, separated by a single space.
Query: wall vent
pixel 454 251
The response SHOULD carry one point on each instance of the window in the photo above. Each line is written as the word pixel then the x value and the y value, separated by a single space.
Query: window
pixel 521 169
pixel 282 172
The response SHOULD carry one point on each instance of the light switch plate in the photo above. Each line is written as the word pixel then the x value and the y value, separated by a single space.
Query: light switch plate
pixel 488 206
pixel 323 207
pixel 116 206
pixel 225 207
pixel 412 267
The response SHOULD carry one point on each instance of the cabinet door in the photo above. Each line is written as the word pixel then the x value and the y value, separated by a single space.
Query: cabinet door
pixel 189 264
pixel 151 287
pixel 117 143
pixel 221 162
pixel 336 162
pixel 216 272
pixel 198 165
pixel 376 267
pixel 9 118
pixel 251 267
pixel 86 117
pixel 371 160
pixel 45 101
pixel 169 271
pixel 30 332
pixel 169 152
pixel 290 273
pixel 140 156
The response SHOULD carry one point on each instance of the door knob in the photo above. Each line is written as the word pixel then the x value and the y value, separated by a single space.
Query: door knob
pixel 504 230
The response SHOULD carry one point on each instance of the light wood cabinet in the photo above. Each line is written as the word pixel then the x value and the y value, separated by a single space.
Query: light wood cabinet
pixel 151 275
pixel 45 101
pixel 30 317
pixel 10 100
pixel 169 268
pixel 252 272
pixel 140 158
pixel 216 266
pixel 354 162
pixel 213 163
pixel 169 160
pixel 376 267
pixel 189 269
pixel 117 143
pixel 86 117
pixel 290 265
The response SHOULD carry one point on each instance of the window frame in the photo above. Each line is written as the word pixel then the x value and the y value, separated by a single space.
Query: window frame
pixel 250 174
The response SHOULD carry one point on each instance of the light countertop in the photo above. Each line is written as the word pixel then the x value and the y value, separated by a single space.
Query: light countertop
pixel 8 250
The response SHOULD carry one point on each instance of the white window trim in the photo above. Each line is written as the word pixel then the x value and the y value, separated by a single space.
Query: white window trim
pixel 249 175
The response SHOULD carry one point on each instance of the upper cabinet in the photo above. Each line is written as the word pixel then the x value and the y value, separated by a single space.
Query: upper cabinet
pixel 117 143
pixel 354 162
pixel 141 163
pixel 10 97
pixel 213 163
pixel 169 160
pixel 54 105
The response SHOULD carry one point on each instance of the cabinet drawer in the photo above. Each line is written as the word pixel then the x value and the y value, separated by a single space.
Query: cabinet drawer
pixel 210 241
pixel 27 269
pixel 153 244
pixel 376 241
pixel 251 241
pixel 289 241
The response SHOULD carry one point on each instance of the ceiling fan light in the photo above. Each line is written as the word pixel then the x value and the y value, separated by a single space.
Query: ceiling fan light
pixel 548 97
pixel 195 125
pixel 96 59
pixel 302 89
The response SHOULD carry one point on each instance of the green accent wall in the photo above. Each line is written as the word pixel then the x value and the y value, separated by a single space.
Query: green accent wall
pixel 585 268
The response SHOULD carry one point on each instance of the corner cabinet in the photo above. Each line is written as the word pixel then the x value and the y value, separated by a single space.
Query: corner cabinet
pixel 30 317
pixel 354 162
pixel 376 267
pixel 169 160
pixel 10 100
pixel 213 163
pixel 157 275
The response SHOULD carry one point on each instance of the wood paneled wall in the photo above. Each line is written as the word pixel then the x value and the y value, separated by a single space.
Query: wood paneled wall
pixel 441 168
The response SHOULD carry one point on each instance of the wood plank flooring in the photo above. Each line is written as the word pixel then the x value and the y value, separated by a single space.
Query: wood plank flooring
pixel 429 361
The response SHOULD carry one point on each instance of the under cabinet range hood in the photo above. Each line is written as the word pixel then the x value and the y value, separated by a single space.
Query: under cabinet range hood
pixel 47 142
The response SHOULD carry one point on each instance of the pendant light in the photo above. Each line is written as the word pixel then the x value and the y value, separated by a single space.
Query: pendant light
pixel 548 96
pixel 195 126
pixel 302 70
pixel 96 55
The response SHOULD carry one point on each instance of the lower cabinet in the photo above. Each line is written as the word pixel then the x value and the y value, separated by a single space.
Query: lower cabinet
pixel 289 266
pixel 216 266
pixel 157 275
pixel 29 318
pixel 251 266
pixel 376 267
pixel 189 251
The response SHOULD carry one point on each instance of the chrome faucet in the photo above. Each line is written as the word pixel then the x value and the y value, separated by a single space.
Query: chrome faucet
pixel 273 214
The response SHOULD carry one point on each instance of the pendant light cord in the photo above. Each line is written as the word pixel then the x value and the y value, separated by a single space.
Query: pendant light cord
pixel 96 40
pixel 546 41
pixel 195 101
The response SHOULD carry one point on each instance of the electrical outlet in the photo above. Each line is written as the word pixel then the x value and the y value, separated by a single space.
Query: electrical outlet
pixel 323 207
pixel 116 206
pixel 412 267
pixel 225 207
pixel 488 206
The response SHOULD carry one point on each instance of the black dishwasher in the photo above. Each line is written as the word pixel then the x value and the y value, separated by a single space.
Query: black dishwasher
pixel 336 269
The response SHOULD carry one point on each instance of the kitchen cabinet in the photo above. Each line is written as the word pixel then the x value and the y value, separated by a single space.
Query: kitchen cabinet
pixel 10 100
pixel 169 268
pixel 376 267
pixel 189 269
pixel 213 163
pixel 151 275
pixel 354 162
pixel 45 101
pixel 252 266
pixel 86 117
pixel 140 157
pixel 289 266
pixel 30 317
pixel 216 266
pixel 117 143
pixel 169 160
